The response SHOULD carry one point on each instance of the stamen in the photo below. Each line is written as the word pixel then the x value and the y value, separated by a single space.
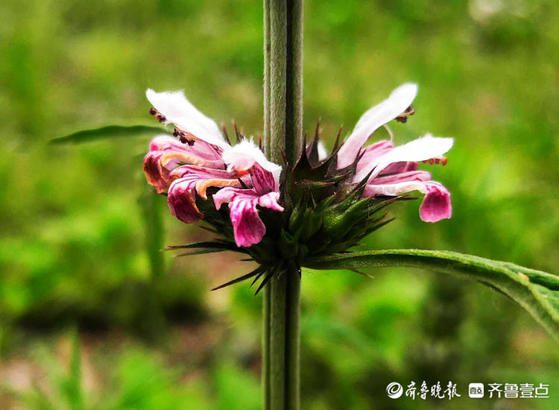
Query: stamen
pixel 158 116
pixel 184 158
pixel 437 161
pixel 387 128
pixel 202 187
pixel 183 136
pixel 242 172
pixel 403 118
pixel 238 172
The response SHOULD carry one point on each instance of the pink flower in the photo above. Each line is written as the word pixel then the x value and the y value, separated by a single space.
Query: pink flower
pixel 374 118
pixel 392 171
pixel 264 175
pixel 167 153
pixel 247 225
pixel 202 159
pixel 173 107
pixel 191 180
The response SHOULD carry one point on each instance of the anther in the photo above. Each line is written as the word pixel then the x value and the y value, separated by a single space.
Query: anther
pixel 158 116
pixel 433 161
pixel 181 135
pixel 403 118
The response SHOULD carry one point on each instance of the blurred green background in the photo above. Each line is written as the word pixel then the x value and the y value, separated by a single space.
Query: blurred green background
pixel 93 316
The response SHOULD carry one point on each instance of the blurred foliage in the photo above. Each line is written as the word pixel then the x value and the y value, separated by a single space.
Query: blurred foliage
pixel 73 245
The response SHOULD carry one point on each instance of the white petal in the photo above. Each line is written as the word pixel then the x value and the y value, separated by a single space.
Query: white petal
pixel 322 153
pixel 421 149
pixel 400 99
pixel 242 157
pixel 179 111
pixel 395 189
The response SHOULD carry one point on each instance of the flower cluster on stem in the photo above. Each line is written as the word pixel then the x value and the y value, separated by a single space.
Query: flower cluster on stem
pixel 322 203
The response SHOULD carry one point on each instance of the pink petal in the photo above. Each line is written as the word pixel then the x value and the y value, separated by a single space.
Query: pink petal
pixel 247 225
pixel 248 228
pixel 263 180
pixel 409 176
pixel 226 195
pixel 420 149
pixel 399 167
pixel 398 101
pixel 196 172
pixel 155 176
pixel 244 156
pixel 436 205
pixel 182 201
pixel 373 152
pixel 271 201
pixel 199 149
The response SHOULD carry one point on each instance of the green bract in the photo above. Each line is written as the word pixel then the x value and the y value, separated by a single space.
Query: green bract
pixel 324 214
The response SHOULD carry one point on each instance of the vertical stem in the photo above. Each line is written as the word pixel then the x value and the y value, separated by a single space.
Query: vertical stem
pixel 283 113
pixel 267 64
pixel 266 298
pixel 294 80
pixel 293 338
pixel 284 82
pixel 281 321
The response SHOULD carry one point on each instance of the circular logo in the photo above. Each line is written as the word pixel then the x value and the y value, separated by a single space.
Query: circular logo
pixel 394 390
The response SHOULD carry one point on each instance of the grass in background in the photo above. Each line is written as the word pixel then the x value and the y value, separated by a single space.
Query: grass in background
pixel 72 236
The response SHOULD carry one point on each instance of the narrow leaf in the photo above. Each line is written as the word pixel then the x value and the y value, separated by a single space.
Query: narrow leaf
pixel 263 283
pixel 535 291
pixel 109 131
pixel 206 247
pixel 239 279
pixel 200 252
pixel 152 205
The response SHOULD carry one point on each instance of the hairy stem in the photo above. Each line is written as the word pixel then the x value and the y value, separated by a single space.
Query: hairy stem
pixel 283 113
pixel 283 70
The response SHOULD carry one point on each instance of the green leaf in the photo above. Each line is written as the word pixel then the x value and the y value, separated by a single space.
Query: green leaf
pixel 152 211
pixel 109 131
pixel 535 291
pixel 71 384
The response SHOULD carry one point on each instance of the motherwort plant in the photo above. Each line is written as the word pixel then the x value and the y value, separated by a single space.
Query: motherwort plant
pixel 285 203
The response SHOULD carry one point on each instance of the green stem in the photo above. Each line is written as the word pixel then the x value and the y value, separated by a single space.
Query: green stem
pixel 283 343
pixel 283 78
pixel 283 113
